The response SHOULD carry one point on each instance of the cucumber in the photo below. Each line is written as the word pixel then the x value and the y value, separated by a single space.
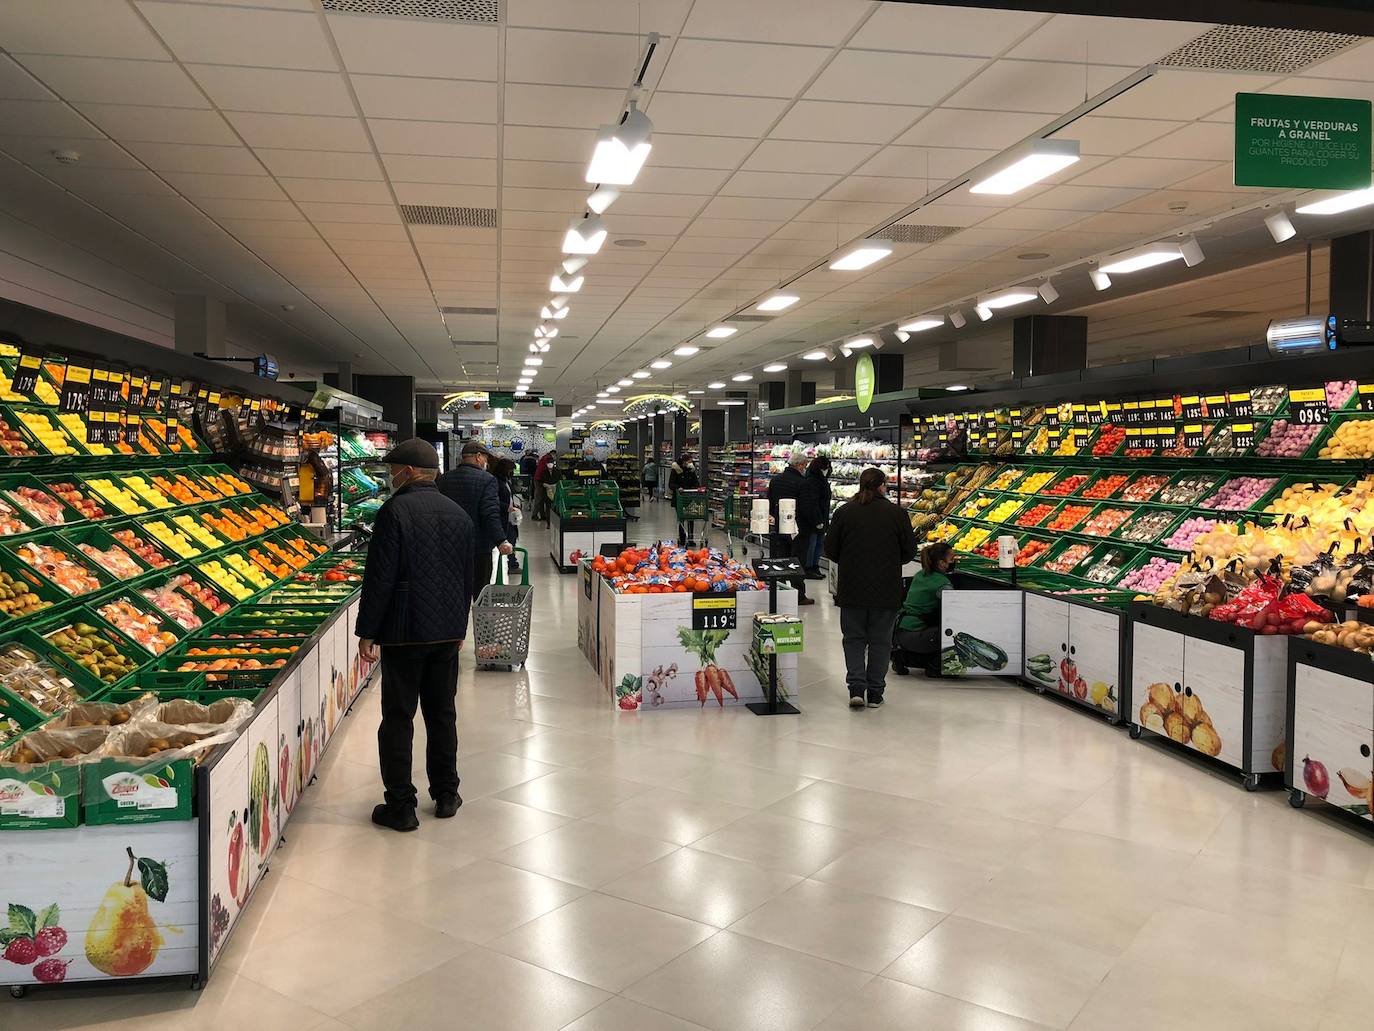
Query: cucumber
pixel 976 652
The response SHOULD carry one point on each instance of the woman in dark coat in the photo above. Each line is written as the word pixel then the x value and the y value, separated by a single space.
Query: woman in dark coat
pixel 818 477
pixel 504 471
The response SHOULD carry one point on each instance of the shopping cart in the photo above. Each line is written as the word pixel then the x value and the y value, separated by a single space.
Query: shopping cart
pixel 501 619
pixel 691 508
pixel 738 505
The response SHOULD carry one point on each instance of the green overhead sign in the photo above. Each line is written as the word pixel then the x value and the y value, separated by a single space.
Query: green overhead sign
pixel 864 381
pixel 1313 143
pixel 500 400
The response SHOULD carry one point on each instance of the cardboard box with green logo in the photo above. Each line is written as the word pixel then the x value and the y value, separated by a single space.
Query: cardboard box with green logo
pixel 777 634
pixel 137 791
pixel 42 796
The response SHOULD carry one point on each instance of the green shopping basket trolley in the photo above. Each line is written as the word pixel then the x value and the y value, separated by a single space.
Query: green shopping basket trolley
pixel 691 509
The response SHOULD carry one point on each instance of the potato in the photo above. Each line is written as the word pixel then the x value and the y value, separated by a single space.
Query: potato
pixel 1177 727
pixel 1206 740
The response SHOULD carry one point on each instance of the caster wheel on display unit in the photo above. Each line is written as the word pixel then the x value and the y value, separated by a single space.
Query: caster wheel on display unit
pixel 1135 730
pixel 1251 782
pixel 17 991
pixel 1297 799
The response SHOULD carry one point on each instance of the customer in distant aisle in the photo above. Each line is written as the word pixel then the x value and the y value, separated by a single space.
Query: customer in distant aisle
pixel 545 476
pixel 683 476
pixel 649 477
pixel 871 539
pixel 504 471
pixel 917 638
pixel 475 489
pixel 818 473
pixel 414 611
pixel 528 463
pixel 792 483
pixel 589 463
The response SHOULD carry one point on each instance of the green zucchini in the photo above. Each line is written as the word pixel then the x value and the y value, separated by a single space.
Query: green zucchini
pixel 976 652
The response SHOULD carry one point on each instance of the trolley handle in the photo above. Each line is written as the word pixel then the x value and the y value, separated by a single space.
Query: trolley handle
pixel 524 568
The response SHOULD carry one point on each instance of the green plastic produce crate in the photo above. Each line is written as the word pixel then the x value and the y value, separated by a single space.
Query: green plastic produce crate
pixel 35 501
pixel 157 622
pixel 37 638
pixel 74 567
pixel 96 536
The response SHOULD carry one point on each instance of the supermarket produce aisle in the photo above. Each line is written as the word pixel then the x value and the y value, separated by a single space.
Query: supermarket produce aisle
pixel 967 856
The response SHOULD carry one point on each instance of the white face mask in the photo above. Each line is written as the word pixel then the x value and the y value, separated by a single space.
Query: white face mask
pixel 401 478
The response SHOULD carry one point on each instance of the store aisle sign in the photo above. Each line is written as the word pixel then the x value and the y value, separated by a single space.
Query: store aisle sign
pixel 1313 143
pixel 864 381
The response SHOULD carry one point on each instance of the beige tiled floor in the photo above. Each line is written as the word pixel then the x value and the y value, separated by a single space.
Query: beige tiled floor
pixel 969 858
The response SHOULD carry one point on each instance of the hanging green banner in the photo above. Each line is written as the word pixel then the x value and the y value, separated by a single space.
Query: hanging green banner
pixel 497 399
pixel 864 381
pixel 1314 143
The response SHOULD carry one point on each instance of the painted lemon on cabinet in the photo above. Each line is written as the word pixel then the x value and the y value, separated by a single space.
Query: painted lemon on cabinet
pixel 123 938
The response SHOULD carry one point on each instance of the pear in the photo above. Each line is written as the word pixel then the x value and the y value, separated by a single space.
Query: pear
pixel 123 939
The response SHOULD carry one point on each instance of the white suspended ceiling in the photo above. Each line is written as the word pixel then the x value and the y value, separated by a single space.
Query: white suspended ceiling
pixel 260 151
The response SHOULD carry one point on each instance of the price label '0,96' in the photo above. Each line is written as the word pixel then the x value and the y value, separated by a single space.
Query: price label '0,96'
pixel 1307 407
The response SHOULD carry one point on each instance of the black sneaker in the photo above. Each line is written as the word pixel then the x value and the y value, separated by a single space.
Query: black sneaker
pixel 856 701
pixel 397 819
pixel 900 668
pixel 874 701
pixel 806 601
pixel 447 805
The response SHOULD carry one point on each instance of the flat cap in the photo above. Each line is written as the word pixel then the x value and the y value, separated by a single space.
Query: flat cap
pixel 476 447
pixel 417 453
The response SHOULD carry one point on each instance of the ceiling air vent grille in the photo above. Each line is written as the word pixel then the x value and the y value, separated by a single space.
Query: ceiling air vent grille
pixel 1245 48
pixel 468 311
pixel 441 215
pixel 909 232
pixel 487 12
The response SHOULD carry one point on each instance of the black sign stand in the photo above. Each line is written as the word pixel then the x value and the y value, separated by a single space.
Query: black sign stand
pixel 771 570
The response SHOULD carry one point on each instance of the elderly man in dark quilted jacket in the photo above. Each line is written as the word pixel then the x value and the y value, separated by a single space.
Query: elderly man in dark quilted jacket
pixel 414 609
pixel 475 489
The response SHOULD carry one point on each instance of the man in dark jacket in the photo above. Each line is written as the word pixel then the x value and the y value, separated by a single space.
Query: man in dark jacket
pixel 871 539
pixel 792 483
pixel 475 490
pixel 414 610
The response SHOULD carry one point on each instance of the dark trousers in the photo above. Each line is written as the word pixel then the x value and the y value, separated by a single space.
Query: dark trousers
pixel 783 546
pixel 427 675
pixel 481 571
pixel 867 641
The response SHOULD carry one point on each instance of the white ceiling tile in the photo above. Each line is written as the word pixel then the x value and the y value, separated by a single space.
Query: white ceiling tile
pixel 277 90
pixel 748 229
pixel 752 207
pixel 553 221
pixel 932 164
pixel 1045 88
pixel 440 139
pixel 798 156
pixel 636 203
pixel 776 21
pixel 94 181
pixel 44 118
pixel 559 107
pixel 1219 179
pixel 528 143
pixel 1145 173
pixel 1137 41
pixel 961 127
pixel 162 124
pixel 850 211
pixel 386 96
pixel 1184 94
pixel 844 122
pixel 418 168
pixel 1033 218
pixel 38 150
pixel 178 157
pixel 1114 135
pixel 220 35
pixel 1352 63
pixel 776 184
pixel 268 229
pixel 866 188
pixel 726 245
pixel 300 132
pixel 90 28
pixel 523 199
pixel 410 46
pixel 338 191
pixel 750 69
pixel 453 195
pixel 273 210
pixel 935 29
pixel 362 231
pixel 869 77
pixel 655 179
pixel 574 58
pixel 663 16
pixel 1199 202
pixel 748 117
pixel 17 84
pixel 554 175
pixel 695 151
pixel 1128 224
pixel 310 164
pixel 103 81
pixel 1305 87
pixel 1081 198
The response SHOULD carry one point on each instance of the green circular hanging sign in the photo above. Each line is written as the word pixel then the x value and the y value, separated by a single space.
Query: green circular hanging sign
pixel 864 381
